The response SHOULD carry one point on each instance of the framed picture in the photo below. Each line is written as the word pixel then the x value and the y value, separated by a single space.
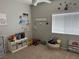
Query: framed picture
pixel 3 19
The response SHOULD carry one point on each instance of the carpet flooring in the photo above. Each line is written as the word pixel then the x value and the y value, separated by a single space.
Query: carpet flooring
pixel 41 52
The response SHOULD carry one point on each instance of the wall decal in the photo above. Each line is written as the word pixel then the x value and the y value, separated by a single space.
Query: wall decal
pixel 70 3
pixel 58 8
pixel 65 2
pixel 60 4
pixel 67 5
pixel 74 4
pixel 66 8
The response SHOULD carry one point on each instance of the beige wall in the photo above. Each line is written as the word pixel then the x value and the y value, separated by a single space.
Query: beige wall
pixel 13 10
pixel 46 10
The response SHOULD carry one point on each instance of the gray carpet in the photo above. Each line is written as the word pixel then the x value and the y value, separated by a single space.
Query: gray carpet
pixel 41 52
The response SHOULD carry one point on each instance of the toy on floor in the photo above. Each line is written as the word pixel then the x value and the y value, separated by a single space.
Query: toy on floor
pixel 29 42
pixel 36 42
pixel 54 43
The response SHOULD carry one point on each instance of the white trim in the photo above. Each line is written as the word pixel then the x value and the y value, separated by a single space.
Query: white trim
pixel 65 13
pixel 19 49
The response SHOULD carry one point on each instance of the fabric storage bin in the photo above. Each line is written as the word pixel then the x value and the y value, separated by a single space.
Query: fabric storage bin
pixel 13 46
pixel 73 45
pixel 19 45
pixel 1 41
pixel 2 53
pixel 24 42
pixel 1 47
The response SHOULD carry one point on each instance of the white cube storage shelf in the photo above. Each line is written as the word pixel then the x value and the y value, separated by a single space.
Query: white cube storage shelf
pixel 67 23
pixel 17 45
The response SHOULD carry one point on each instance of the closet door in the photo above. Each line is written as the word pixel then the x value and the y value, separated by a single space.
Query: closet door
pixel 75 24
pixel 57 24
pixel 67 24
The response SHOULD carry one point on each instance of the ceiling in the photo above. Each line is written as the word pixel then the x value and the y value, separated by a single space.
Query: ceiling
pixel 29 2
